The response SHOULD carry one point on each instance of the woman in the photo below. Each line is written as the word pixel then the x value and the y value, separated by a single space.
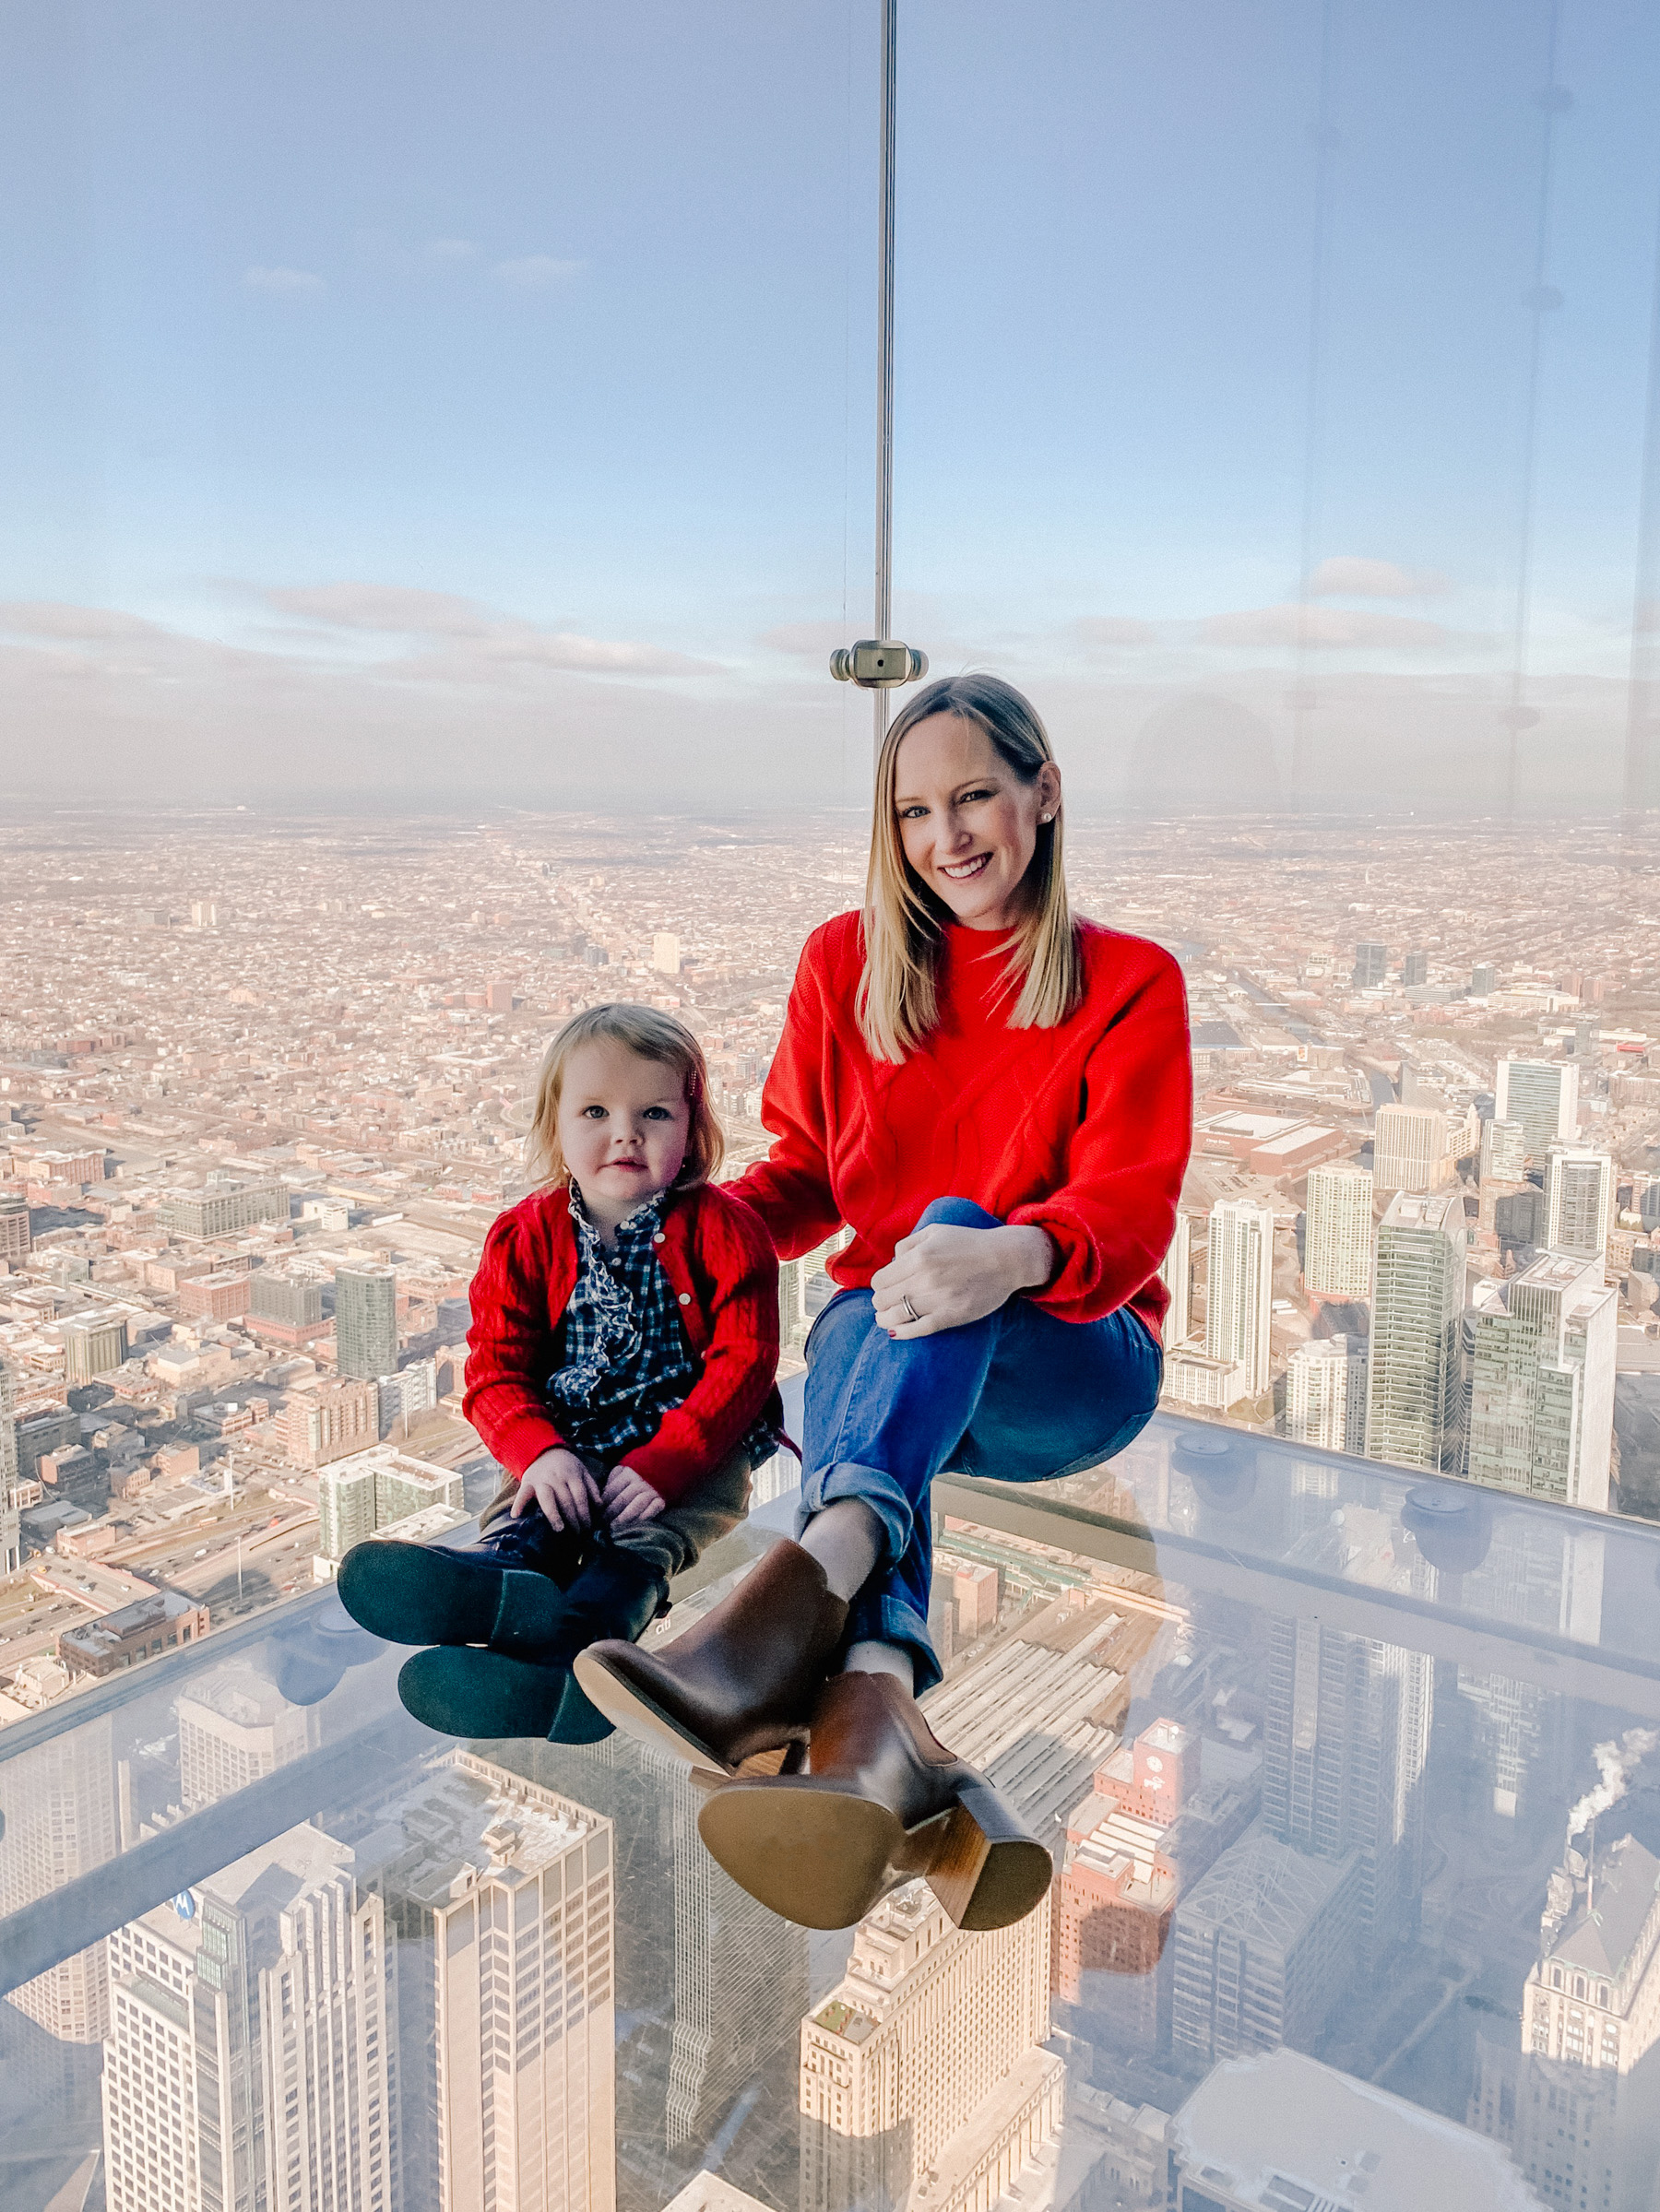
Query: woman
pixel 996 1097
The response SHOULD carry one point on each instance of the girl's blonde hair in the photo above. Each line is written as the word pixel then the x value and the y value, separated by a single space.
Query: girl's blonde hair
pixel 904 921
pixel 652 1035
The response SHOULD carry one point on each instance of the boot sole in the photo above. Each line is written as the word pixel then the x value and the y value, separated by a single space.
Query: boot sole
pixel 481 1694
pixel 825 1857
pixel 413 1593
pixel 629 1708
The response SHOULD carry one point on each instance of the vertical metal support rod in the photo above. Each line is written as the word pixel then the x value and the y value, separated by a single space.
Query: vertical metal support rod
pixel 884 352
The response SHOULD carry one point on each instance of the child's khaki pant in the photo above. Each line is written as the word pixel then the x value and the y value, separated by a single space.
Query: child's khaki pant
pixel 678 1536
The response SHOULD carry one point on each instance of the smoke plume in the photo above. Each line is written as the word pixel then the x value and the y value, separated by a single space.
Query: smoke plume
pixel 1614 1762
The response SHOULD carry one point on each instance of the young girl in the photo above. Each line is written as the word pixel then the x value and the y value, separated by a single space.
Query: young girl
pixel 623 1355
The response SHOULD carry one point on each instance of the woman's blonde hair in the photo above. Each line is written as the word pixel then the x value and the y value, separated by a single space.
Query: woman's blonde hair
pixel 652 1037
pixel 904 921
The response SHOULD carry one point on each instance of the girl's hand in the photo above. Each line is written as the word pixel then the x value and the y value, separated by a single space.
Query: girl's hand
pixel 953 1275
pixel 561 1486
pixel 630 1498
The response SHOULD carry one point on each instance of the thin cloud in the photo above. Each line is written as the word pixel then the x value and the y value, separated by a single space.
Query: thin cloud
pixel 1352 576
pixel 805 641
pixel 283 283
pixel 1113 631
pixel 49 618
pixel 393 608
pixel 536 272
pixel 1322 626
pixel 452 249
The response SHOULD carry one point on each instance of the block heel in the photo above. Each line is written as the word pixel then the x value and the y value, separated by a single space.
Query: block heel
pixel 988 1869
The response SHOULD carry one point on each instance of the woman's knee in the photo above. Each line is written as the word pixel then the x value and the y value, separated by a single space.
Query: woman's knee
pixel 956 1213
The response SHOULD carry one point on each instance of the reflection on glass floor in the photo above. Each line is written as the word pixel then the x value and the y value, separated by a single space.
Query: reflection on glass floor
pixel 1352 1784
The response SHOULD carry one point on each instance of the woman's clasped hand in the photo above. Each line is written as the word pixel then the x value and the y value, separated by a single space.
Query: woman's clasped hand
pixel 943 1277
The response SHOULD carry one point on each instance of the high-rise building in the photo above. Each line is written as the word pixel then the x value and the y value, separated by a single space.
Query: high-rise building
pixel 1176 1273
pixel 294 1302
pixel 1483 980
pixel 204 914
pixel 329 1421
pixel 1579 1200
pixel 666 952
pixel 376 1489
pixel 94 1344
pixel 1325 1394
pixel 1372 966
pixel 11 1541
pixel 203 2109
pixel 1542 1362
pixel 234 1729
pixel 1346 1733
pixel 225 1206
pixel 405 1396
pixel 1264 1945
pixel 1415 971
pixel 15 1239
pixel 1575 2105
pixel 1503 1153
pixel 60 1825
pixel 945 2029
pixel 508 2082
pixel 1542 1095
pixel 1239 1296
pixel 1337 1232
pixel 1410 1148
pixel 1412 1401
pixel 366 1322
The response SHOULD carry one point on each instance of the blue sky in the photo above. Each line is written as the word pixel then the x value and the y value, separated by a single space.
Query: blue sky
pixel 477 400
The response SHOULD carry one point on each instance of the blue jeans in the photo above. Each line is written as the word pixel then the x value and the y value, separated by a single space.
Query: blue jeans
pixel 1019 1395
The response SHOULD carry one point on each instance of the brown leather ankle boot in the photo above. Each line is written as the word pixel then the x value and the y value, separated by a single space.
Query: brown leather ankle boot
pixel 883 1802
pixel 743 1679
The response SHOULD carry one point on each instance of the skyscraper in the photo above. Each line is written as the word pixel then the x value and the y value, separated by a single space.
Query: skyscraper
pixel 1346 1733
pixel 1241 1292
pixel 1415 971
pixel 366 1322
pixel 14 1225
pixel 1579 1201
pixel 507 2078
pixel 1325 1394
pixel 1337 1232
pixel 1542 1095
pixel 376 1489
pixel 60 1824
pixel 11 1549
pixel 1503 1152
pixel 1575 2103
pixel 234 1729
pixel 666 952
pixel 927 2062
pixel 1410 1148
pixel 1176 1273
pixel 1541 1417
pixel 1372 966
pixel 1483 980
pixel 250 2060
pixel 1411 1387
pixel 94 1344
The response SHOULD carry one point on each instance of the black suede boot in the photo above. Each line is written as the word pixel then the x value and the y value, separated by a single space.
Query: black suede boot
pixel 506 1591
pixel 488 1693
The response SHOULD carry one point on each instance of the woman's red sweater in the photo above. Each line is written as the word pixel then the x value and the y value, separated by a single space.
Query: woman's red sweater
pixel 1084 1128
pixel 726 1278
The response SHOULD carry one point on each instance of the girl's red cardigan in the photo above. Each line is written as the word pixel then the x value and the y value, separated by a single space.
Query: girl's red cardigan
pixel 720 1263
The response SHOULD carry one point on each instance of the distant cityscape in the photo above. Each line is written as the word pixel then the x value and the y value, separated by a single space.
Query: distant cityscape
pixel 263 1089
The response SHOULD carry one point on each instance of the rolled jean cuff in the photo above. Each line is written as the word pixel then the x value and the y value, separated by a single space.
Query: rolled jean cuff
pixel 873 1487
pixel 889 1620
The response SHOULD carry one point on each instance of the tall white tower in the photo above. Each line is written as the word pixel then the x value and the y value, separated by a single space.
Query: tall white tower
pixel 1176 1273
pixel 1579 1201
pixel 1542 1095
pixel 1241 1287
pixel 1337 1232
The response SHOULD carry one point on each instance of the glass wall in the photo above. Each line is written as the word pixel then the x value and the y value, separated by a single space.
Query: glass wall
pixel 438 448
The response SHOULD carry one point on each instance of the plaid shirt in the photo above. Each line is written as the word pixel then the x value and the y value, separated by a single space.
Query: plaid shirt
pixel 623 1352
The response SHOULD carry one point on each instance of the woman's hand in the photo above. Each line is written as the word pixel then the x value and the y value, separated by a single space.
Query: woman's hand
pixel 630 1498
pixel 561 1486
pixel 955 1275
